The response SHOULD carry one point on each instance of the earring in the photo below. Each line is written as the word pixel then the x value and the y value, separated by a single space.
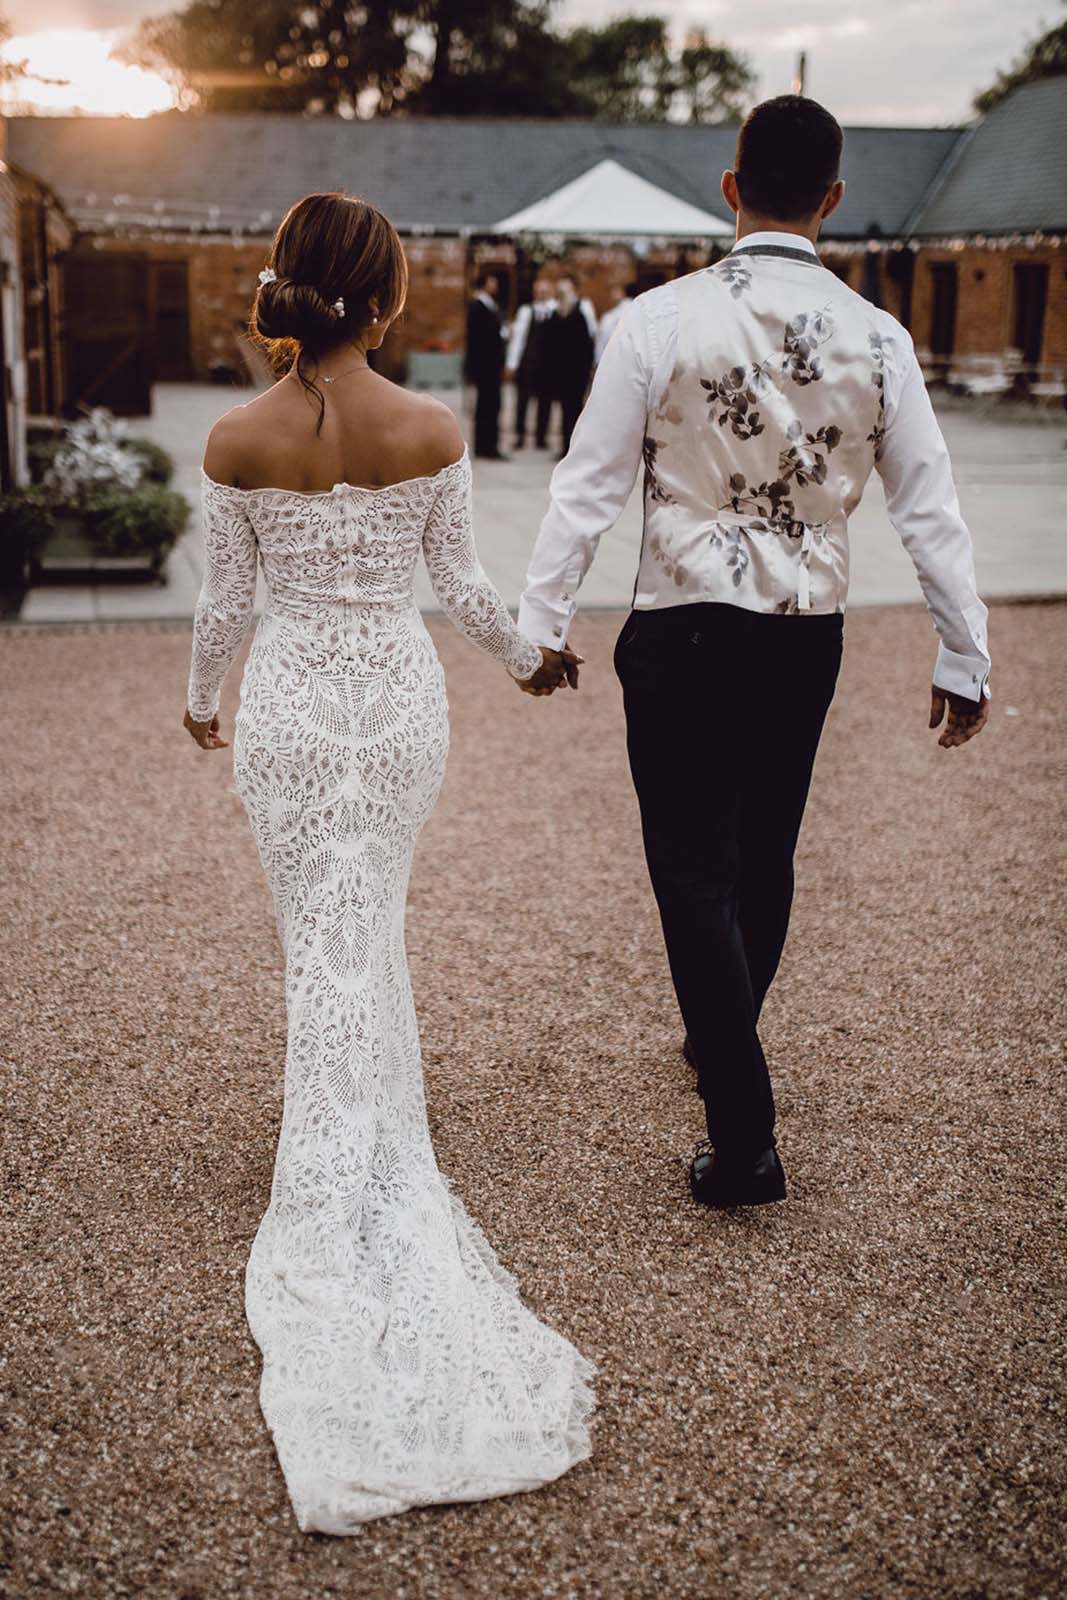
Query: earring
pixel 374 319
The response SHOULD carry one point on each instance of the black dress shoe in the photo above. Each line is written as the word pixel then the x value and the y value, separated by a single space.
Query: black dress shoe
pixel 756 1182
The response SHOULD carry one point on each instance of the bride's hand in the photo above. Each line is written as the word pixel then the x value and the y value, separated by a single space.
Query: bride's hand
pixel 206 734
pixel 557 667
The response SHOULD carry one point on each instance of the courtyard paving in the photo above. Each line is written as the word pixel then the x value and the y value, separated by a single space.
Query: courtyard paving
pixel 856 1394
pixel 1012 478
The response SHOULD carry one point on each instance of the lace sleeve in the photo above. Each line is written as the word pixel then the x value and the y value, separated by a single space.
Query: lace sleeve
pixel 459 582
pixel 224 607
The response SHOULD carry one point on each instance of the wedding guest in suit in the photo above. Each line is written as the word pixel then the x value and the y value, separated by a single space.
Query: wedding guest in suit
pixel 620 298
pixel 570 338
pixel 526 362
pixel 483 364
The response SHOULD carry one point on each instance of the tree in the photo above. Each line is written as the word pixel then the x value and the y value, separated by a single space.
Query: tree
pixel 246 55
pixel 1045 57
pixel 438 57
pixel 711 83
pixel 621 71
pixel 626 71
pixel 494 58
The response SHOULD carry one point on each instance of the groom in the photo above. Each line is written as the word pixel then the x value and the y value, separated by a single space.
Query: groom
pixel 758 394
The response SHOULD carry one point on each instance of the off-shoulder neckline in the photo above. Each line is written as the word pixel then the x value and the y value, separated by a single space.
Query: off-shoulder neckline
pixel 358 488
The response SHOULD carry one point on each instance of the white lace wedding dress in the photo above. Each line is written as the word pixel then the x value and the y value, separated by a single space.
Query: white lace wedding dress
pixel 399 1365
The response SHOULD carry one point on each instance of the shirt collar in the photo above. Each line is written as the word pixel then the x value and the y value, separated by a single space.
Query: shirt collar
pixel 770 243
pixel 486 298
pixel 784 241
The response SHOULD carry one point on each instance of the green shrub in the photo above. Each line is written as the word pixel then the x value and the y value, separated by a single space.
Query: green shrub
pixel 146 520
pixel 40 455
pixel 156 464
pixel 26 519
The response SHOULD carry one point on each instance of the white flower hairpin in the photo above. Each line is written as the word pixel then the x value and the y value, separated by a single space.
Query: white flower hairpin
pixel 268 275
pixel 338 307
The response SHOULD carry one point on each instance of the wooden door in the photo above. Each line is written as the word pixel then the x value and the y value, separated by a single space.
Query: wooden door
pixel 169 303
pixel 945 275
pixel 1030 286
pixel 109 343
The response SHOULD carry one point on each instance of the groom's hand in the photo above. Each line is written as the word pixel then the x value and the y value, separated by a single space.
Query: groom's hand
pixel 557 667
pixel 965 717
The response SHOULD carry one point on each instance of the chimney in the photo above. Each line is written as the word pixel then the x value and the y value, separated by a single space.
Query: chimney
pixel 802 72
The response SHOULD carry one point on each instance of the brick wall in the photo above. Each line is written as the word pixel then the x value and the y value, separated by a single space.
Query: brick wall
pixel 985 304
pixel 222 277
pixel 222 280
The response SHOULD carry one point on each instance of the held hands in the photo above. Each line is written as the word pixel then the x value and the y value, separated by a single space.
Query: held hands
pixel 206 734
pixel 965 717
pixel 557 667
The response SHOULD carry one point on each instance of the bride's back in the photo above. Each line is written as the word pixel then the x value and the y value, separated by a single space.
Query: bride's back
pixel 372 434
pixel 336 281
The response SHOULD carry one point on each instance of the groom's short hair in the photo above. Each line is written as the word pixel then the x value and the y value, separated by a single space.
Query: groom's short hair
pixel 788 155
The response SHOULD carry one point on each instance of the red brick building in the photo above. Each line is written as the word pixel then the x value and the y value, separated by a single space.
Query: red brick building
pixel 959 232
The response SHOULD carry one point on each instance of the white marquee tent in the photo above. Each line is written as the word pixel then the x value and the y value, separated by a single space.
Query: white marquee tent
pixel 610 200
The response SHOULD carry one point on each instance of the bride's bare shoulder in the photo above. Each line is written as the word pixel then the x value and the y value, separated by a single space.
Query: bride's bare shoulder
pixel 436 436
pixel 230 443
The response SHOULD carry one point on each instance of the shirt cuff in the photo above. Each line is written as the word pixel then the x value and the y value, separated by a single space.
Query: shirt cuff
pixel 545 624
pixel 964 675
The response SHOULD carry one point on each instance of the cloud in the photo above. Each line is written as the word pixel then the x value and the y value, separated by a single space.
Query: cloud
pixel 809 35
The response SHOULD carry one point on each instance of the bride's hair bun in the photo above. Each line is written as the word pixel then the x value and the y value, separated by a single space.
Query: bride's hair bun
pixel 287 310
pixel 332 256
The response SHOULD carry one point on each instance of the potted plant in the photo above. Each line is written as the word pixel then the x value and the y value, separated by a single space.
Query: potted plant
pixel 108 500
pixel 143 521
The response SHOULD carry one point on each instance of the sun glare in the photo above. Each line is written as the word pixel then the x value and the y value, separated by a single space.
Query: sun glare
pixel 93 82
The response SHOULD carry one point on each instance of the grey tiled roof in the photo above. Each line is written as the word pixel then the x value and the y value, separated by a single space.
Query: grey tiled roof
pixel 1010 175
pixel 242 172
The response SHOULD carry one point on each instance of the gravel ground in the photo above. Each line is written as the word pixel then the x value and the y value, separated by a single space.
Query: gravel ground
pixel 855 1394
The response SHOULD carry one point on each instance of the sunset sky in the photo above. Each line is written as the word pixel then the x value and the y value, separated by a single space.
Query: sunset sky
pixel 871 61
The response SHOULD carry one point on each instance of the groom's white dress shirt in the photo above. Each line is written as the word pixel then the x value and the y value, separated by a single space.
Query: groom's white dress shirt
pixel 759 522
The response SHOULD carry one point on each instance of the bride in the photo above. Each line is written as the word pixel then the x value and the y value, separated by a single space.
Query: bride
pixel 400 1367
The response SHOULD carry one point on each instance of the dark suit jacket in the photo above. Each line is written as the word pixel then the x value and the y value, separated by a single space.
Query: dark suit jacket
pixel 484 358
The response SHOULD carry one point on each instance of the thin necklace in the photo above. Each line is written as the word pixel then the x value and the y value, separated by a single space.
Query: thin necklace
pixel 363 367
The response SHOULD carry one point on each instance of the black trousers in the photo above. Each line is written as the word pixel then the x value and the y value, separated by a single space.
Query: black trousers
pixel 724 710
pixel 487 416
pixel 524 393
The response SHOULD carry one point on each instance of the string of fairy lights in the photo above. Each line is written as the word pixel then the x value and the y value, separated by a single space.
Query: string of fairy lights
pixel 170 221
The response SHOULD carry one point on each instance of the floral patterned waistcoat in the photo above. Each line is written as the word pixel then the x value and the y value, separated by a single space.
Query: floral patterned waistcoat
pixel 764 438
